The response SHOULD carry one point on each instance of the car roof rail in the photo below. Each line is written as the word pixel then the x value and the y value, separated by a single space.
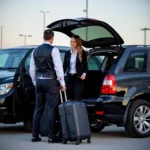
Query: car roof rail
pixel 136 45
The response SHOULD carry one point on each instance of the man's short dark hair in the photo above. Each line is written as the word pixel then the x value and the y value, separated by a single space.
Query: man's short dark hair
pixel 48 34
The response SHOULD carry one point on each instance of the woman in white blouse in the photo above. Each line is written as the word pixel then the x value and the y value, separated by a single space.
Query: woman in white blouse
pixel 75 68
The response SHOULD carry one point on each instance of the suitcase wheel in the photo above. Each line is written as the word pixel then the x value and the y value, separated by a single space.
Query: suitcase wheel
pixel 64 141
pixel 78 141
pixel 89 140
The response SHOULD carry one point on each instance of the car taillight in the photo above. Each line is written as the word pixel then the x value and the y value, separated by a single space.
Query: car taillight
pixel 99 112
pixel 109 85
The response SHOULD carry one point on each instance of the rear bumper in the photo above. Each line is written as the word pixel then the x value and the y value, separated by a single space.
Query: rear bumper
pixel 112 108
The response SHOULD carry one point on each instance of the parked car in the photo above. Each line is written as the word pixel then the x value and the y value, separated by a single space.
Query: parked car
pixel 125 91
pixel 17 96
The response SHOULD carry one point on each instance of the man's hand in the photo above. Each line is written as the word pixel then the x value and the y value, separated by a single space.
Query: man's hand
pixel 63 88
pixel 83 76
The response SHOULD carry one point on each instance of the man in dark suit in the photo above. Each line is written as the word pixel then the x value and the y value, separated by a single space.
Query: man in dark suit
pixel 46 70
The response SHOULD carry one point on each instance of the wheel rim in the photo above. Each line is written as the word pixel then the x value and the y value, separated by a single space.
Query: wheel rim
pixel 142 119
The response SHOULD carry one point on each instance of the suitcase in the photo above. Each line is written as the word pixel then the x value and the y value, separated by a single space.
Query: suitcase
pixel 74 121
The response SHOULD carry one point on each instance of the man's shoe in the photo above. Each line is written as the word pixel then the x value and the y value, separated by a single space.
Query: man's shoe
pixel 36 139
pixel 56 139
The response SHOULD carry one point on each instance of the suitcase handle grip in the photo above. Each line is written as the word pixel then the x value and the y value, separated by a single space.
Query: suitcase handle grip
pixel 61 98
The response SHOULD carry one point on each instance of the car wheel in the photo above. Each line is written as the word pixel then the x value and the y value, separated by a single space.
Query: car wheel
pixel 96 125
pixel 28 125
pixel 138 119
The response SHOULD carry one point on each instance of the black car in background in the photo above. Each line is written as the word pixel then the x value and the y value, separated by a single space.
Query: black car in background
pixel 17 96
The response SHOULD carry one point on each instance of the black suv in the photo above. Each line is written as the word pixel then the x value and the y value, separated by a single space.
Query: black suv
pixel 17 96
pixel 125 92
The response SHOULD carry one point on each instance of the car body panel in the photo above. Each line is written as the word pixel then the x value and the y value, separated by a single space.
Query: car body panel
pixel 130 86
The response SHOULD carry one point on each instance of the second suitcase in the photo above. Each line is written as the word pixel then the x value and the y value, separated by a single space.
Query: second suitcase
pixel 74 121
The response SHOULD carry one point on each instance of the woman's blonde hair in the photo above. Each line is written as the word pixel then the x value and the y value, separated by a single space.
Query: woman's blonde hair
pixel 79 45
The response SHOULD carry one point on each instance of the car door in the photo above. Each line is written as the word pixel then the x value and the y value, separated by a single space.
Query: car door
pixel 24 89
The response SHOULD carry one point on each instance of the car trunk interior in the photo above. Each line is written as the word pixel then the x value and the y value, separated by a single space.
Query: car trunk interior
pixel 97 70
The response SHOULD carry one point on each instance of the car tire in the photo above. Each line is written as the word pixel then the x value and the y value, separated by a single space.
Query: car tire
pixel 28 125
pixel 137 121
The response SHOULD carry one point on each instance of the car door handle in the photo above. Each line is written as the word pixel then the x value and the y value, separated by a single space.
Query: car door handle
pixel 18 81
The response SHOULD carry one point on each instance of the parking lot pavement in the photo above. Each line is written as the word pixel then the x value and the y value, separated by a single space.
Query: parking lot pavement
pixel 13 137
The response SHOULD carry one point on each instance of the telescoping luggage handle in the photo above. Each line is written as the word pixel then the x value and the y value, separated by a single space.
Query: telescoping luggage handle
pixel 61 98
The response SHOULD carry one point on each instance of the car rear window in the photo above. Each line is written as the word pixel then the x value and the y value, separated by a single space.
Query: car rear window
pixel 137 62
pixel 93 32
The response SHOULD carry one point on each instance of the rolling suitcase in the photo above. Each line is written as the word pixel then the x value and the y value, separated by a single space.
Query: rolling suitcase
pixel 74 121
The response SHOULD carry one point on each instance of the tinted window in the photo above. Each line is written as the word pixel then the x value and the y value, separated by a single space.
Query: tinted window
pixel 62 55
pixel 137 62
pixel 27 63
pixel 95 62
pixel 93 32
pixel 11 58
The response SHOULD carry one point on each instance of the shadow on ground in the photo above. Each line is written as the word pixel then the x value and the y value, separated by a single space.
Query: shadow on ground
pixel 111 132
pixel 12 128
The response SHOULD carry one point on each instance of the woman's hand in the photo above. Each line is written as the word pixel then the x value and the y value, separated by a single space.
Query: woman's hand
pixel 83 76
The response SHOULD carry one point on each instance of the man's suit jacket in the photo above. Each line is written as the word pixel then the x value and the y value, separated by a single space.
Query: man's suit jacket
pixel 81 67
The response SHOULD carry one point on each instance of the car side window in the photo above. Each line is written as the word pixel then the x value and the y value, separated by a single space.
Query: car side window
pixel 137 62
pixel 4 59
pixel 62 55
pixel 27 64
